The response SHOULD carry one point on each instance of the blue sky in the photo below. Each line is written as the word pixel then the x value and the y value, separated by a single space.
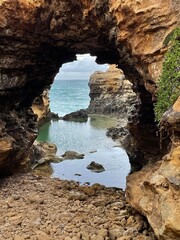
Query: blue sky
pixel 80 69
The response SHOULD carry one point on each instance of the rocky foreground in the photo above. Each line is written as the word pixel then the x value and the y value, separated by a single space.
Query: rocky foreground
pixel 39 208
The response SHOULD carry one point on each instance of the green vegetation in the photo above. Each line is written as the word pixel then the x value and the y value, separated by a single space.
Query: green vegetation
pixel 169 82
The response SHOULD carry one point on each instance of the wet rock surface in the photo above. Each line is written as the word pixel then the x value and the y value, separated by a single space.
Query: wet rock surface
pixel 43 153
pixel 78 116
pixel 95 167
pixel 72 155
pixel 37 37
pixel 39 208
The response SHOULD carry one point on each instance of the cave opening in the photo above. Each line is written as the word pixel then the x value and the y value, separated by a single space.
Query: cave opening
pixel 35 47
pixel 76 73
pixel 70 93
pixel 36 38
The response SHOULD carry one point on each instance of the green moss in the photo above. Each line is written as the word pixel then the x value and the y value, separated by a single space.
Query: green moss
pixel 169 82
pixel 168 38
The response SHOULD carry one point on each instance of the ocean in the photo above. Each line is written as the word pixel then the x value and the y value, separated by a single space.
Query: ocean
pixel 88 138
pixel 67 96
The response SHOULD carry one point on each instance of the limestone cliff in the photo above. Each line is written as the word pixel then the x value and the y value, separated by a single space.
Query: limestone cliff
pixel 38 36
pixel 155 190
pixel 111 93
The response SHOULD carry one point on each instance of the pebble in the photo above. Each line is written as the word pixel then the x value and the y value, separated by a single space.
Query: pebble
pixel 18 238
pixel 36 208
pixel 36 199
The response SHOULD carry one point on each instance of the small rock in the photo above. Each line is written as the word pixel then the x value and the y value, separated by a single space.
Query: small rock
pixel 123 222
pixel 18 238
pixel 95 167
pixel 85 235
pixel 36 199
pixel 142 237
pixel 98 187
pixel 123 212
pixel 68 238
pixel 124 238
pixel 77 196
pixel 102 234
pixel 130 221
pixel 93 151
pixel 16 197
pixel 49 147
pixel 54 159
pixel 42 236
pixel 77 174
pixel 115 233
pixel 118 205
pixel 76 238
pixel 88 190
pixel 79 116
pixel 16 220
pixel 72 155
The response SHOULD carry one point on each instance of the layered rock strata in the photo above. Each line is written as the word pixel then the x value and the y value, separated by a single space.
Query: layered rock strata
pixel 17 134
pixel 155 190
pixel 38 36
pixel 111 93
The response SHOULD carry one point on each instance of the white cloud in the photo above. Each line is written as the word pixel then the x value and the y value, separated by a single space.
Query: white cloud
pixel 80 69
pixel 82 57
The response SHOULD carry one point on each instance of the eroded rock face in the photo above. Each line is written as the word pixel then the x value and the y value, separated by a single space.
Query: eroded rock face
pixel 78 116
pixel 17 134
pixel 155 190
pixel 37 37
pixel 111 93
pixel 41 107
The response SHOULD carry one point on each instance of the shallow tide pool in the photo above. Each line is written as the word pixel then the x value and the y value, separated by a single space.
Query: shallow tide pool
pixel 90 139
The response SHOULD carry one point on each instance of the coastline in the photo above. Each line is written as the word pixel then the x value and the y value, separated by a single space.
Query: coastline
pixel 99 148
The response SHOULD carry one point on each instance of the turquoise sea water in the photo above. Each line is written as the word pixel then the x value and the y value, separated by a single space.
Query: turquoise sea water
pixel 67 96
pixel 87 137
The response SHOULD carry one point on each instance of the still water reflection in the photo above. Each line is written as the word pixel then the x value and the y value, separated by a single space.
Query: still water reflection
pixel 85 138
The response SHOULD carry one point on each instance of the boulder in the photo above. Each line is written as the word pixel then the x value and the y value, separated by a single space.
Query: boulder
pixel 79 116
pixel 43 153
pixel 72 155
pixel 95 167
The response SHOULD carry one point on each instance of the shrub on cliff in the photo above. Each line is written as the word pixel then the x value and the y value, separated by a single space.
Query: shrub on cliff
pixel 169 83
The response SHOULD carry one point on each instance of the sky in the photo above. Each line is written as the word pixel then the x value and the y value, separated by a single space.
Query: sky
pixel 81 69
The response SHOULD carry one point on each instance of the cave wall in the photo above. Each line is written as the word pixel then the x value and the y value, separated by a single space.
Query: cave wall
pixel 155 190
pixel 38 36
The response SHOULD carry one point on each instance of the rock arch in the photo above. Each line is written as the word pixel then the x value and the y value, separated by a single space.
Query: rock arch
pixel 38 36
